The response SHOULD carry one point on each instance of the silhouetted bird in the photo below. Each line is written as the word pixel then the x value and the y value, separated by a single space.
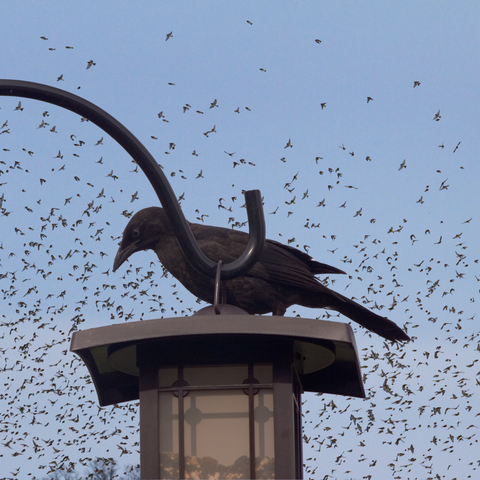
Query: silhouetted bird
pixel 283 276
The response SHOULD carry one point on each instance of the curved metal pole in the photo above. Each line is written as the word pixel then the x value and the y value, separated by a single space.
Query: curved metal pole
pixel 185 238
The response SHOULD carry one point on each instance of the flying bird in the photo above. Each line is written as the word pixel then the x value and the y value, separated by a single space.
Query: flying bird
pixel 283 276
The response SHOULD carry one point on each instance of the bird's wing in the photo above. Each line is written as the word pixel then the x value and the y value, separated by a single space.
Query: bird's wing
pixel 315 267
pixel 277 263
pixel 293 267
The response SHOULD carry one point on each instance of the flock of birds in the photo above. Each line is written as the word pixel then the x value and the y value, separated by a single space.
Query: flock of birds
pixel 58 269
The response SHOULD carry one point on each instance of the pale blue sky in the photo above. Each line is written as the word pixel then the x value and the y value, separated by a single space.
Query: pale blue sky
pixel 367 49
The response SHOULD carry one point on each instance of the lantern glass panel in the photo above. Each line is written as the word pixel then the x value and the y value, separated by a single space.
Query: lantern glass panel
pixel 216 426
pixel 212 420
pixel 167 376
pixel 263 373
pixel 168 435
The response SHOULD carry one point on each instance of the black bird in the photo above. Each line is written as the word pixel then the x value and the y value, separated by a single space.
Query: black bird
pixel 283 276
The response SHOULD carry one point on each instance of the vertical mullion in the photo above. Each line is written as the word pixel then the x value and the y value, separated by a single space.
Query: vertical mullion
pixel 284 429
pixel 251 421
pixel 298 432
pixel 181 426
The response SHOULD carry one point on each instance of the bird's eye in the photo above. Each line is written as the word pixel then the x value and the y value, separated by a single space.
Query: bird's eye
pixel 136 232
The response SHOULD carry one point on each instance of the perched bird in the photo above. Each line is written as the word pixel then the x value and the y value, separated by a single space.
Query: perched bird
pixel 283 276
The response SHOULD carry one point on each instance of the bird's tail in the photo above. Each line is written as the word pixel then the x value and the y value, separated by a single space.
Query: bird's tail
pixel 380 325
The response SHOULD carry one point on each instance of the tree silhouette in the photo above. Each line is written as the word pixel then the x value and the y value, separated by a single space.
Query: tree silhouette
pixel 98 469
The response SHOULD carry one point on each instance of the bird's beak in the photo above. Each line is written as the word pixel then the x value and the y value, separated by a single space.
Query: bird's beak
pixel 123 254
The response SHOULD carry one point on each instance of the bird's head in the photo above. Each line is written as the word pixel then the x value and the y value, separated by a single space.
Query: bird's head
pixel 142 232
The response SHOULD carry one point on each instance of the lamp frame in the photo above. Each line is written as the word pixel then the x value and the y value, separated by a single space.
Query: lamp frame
pixel 306 355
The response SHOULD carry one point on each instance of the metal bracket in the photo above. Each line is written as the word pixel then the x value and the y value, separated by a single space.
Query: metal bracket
pixel 186 240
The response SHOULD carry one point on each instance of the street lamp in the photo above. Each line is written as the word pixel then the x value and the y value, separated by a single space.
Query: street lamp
pixel 220 395
pixel 220 391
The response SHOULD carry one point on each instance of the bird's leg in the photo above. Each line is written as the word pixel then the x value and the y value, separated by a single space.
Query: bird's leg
pixel 223 293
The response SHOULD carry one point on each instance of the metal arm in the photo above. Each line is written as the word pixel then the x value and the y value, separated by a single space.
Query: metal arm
pixel 186 240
